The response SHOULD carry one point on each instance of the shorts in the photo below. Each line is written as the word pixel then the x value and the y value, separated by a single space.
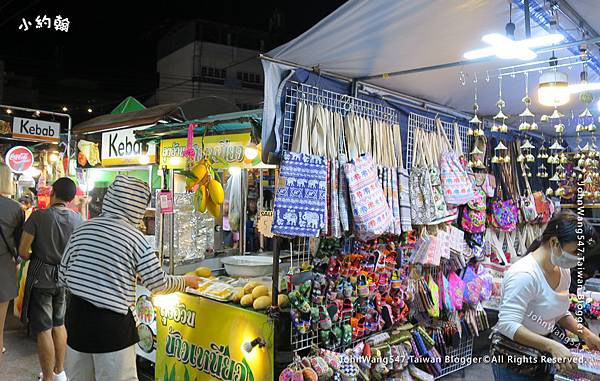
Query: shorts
pixel 46 308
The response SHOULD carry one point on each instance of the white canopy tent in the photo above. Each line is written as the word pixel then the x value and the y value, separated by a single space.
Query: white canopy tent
pixel 368 38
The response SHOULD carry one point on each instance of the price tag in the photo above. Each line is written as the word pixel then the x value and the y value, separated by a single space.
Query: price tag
pixel 165 201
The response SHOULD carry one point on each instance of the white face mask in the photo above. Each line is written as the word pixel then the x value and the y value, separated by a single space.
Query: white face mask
pixel 566 260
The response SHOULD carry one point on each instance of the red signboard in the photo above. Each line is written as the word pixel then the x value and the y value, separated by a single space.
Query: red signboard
pixel 19 159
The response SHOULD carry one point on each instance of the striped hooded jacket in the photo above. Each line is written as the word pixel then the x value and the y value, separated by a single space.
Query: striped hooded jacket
pixel 106 254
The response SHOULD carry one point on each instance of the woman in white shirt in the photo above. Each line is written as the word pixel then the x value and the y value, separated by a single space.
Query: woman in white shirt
pixel 535 296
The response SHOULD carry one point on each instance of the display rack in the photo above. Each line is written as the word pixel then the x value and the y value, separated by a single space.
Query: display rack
pixel 300 253
pixel 303 248
pixel 428 124
pixel 463 350
pixel 333 101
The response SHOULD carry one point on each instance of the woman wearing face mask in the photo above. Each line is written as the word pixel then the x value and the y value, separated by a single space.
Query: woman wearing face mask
pixel 535 298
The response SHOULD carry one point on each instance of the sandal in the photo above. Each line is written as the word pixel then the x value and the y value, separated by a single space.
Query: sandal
pixel 383 283
pixel 325 339
pixel 348 289
pixel 336 336
pixel 388 317
pixel 324 319
pixel 363 286
pixel 396 283
pixel 305 288
pixel 346 335
pixel 301 325
pixel 358 327
pixel 332 310
pixel 298 301
pixel 334 267
pixel 348 307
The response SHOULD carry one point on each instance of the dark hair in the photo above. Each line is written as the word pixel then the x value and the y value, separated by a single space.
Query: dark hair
pixel 64 189
pixel 567 227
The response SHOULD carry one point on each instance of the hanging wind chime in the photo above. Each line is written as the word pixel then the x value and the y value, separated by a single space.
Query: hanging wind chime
pixel 476 130
pixel 500 117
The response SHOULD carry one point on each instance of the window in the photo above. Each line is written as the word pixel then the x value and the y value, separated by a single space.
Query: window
pixel 250 78
pixel 213 73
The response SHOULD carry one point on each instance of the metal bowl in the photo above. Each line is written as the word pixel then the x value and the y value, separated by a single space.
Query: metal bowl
pixel 248 266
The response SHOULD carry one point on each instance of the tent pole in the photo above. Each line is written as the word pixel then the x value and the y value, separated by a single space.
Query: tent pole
pixel 527 19
pixel 469 62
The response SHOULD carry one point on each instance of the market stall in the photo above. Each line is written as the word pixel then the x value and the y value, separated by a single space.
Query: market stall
pixel 214 172
pixel 405 210
pixel 35 145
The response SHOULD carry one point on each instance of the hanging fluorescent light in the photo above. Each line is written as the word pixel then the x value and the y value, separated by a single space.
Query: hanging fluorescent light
pixel 553 89
pixel 505 48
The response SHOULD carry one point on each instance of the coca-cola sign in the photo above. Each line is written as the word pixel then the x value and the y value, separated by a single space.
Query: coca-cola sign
pixel 19 159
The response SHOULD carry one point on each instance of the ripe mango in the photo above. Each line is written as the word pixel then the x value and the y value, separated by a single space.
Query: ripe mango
pixel 259 291
pixel 199 170
pixel 249 287
pixel 213 209
pixel 203 272
pixel 204 198
pixel 246 300
pixel 216 192
pixel 238 294
pixel 261 303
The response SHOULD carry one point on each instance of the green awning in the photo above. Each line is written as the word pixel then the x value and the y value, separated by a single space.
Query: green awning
pixel 128 104
pixel 214 125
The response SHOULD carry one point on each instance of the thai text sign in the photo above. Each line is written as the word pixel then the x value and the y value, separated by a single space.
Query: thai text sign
pixel 201 339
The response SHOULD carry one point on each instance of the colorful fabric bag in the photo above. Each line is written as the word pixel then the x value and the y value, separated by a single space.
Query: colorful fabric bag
pixel 543 207
pixel 504 215
pixel 455 181
pixel 474 213
pixel 456 290
pixel 422 206
pixel 371 213
pixel 486 282
pixel 528 208
pixel 434 309
pixel 301 195
pixel 473 287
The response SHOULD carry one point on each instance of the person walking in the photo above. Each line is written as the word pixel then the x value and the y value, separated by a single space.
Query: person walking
pixel 11 222
pixel 45 236
pixel 99 268
pixel 535 297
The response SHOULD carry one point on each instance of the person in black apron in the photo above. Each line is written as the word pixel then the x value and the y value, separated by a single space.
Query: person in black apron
pixel 11 222
pixel 46 233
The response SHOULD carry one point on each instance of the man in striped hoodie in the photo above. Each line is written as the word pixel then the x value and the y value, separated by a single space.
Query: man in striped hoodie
pixel 99 269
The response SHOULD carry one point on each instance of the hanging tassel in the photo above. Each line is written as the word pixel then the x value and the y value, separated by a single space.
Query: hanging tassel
pixel 189 149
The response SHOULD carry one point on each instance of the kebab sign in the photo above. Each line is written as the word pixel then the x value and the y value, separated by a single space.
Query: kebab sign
pixel 19 159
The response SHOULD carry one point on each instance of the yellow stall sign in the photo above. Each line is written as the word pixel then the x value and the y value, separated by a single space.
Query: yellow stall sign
pixel 203 340
pixel 228 147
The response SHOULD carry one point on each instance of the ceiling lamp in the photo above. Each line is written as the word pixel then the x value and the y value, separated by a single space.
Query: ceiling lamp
pixel 553 89
pixel 505 48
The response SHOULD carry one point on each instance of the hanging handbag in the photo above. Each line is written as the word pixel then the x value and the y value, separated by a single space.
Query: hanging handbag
pixel 473 287
pixel 422 206
pixel 504 214
pixel 432 156
pixel 301 195
pixel 456 290
pixel 544 207
pixel 473 219
pixel 456 184
pixel 371 214
pixel 403 182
